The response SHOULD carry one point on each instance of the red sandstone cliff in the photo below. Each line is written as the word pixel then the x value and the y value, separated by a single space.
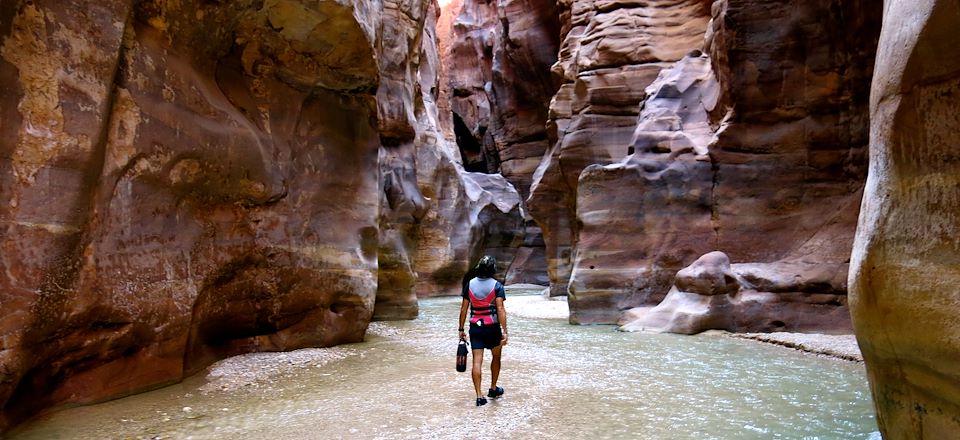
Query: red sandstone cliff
pixel 187 180
pixel 611 52
pixel 904 274
pixel 753 145
pixel 497 87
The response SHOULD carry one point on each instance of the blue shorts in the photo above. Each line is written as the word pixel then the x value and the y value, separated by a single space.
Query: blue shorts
pixel 485 336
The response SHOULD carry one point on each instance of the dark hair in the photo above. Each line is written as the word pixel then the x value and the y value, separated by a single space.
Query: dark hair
pixel 486 267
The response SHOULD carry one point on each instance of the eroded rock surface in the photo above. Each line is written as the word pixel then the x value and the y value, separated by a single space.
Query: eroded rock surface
pixel 657 201
pixel 474 214
pixel 198 223
pixel 611 51
pixel 407 118
pixel 499 75
pixel 188 180
pixel 499 84
pixel 713 294
pixel 755 147
pixel 904 274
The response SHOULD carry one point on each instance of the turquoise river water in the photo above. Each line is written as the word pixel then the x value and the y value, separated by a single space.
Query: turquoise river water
pixel 561 381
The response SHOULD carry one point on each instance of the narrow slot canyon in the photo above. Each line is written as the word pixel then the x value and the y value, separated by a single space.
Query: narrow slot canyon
pixel 712 218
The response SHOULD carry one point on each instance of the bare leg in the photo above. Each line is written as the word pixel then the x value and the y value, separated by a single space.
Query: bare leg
pixel 495 367
pixel 477 366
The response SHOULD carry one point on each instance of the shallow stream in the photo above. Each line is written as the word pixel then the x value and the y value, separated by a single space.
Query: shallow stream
pixel 561 381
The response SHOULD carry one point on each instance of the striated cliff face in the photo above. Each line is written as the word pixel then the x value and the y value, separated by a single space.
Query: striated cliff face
pixel 497 88
pixel 753 144
pixel 787 165
pixel 611 52
pixel 904 274
pixel 169 189
pixel 187 180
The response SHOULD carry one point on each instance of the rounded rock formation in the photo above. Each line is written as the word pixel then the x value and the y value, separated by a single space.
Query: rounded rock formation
pixel 905 270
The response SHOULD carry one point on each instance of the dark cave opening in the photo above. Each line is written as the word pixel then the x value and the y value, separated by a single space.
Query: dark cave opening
pixel 471 150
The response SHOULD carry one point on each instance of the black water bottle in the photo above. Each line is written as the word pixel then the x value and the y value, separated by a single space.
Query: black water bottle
pixel 462 356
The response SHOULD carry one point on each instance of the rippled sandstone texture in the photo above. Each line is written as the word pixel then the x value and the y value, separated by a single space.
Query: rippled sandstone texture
pixel 187 180
pixel 183 215
pixel 754 147
pixel 499 84
pixel 905 272
pixel 611 51
pixel 435 219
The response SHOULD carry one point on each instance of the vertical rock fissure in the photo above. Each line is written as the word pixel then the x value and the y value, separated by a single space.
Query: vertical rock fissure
pixel 714 201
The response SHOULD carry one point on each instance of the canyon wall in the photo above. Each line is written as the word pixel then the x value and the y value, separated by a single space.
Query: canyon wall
pixel 611 51
pixel 182 181
pixel 688 127
pixel 188 180
pixel 905 271
pixel 497 88
pixel 787 164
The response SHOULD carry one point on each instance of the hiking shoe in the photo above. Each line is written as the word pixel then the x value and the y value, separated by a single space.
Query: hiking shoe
pixel 481 401
pixel 495 392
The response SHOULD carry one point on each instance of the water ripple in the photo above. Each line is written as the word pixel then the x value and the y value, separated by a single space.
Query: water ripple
pixel 562 381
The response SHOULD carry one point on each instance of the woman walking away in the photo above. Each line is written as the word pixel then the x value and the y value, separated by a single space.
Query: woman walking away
pixel 488 323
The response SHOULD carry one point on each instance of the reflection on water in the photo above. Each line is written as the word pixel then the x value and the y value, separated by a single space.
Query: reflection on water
pixel 561 381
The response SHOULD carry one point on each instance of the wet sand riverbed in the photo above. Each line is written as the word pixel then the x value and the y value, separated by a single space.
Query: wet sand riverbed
pixel 561 381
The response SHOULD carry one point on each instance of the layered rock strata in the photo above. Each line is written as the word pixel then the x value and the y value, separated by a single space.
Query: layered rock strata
pixel 187 180
pixel 658 200
pixel 611 51
pixel 755 148
pixel 499 84
pixel 905 271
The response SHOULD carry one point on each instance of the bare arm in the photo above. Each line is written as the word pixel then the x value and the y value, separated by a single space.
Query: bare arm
pixel 502 316
pixel 463 316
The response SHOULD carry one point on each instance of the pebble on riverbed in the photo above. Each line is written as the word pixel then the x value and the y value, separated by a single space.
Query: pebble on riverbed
pixel 256 370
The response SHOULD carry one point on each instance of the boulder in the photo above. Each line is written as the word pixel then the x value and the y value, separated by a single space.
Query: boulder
pixel 709 275
pixel 712 294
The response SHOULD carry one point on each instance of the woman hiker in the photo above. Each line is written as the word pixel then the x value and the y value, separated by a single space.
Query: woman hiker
pixel 488 323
